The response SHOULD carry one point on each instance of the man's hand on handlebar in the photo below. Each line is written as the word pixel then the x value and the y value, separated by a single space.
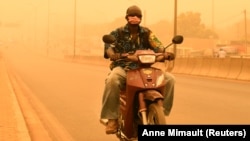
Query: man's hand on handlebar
pixel 115 56
pixel 169 56
pixel 160 58
pixel 127 56
pixel 132 58
pixel 112 55
pixel 165 56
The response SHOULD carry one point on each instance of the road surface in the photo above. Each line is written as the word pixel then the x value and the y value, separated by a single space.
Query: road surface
pixel 72 94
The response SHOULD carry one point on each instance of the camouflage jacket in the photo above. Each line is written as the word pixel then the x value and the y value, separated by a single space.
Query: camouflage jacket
pixel 125 44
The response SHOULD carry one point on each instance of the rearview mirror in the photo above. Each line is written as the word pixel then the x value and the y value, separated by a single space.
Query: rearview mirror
pixel 178 39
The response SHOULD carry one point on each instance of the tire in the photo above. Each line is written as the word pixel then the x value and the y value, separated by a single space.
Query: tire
pixel 156 115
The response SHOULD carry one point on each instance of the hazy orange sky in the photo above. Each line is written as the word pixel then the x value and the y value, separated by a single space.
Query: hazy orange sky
pixel 224 10
pixel 217 12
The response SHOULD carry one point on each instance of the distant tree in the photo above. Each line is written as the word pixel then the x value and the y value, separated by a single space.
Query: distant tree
pixel 189 25
pixel 163 30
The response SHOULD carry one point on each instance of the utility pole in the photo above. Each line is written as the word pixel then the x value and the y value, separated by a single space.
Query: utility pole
pixel 175 22
pixel 245 19
pixel 213 15
pixel 35 25
pixel 175 33
pixel 74 42
pixel 48 30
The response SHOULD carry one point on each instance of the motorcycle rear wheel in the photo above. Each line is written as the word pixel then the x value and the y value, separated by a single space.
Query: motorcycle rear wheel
pixel 156 115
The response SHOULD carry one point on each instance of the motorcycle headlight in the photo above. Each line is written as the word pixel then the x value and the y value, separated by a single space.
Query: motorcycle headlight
pixel 147 58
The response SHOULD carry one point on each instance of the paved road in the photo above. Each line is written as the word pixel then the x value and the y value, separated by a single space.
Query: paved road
pixel 72 93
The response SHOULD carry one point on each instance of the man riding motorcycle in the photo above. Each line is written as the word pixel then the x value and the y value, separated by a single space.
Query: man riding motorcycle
pixel 130 38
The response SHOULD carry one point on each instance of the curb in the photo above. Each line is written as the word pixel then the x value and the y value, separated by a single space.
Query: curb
pixel 36 121
pixel 14 125
pixel 22 130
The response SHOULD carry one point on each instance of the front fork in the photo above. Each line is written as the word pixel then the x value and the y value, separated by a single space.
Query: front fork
pixel 154 97
pixel 142 109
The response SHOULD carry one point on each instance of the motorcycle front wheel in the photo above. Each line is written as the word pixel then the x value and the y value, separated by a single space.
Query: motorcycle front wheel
pixel 155 114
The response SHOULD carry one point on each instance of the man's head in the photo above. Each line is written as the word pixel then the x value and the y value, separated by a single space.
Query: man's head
pixel 133 15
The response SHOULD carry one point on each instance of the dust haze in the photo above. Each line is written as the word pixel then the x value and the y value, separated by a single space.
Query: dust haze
pixel 66 27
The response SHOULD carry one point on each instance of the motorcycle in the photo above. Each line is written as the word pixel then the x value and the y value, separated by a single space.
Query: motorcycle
pixel 142 100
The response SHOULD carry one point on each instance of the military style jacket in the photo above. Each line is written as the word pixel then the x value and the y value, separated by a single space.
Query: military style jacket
pixel 125 44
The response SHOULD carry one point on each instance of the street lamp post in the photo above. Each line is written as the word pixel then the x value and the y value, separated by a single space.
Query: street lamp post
pixel 245 21
pixel 74 42
pixel 48 30
pixel 175 27
pixel 175 17
pixel 35 25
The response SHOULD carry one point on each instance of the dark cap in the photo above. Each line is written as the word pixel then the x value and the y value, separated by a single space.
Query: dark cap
pixel 134 11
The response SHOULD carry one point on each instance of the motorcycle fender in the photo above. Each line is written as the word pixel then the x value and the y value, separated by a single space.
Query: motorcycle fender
pixel 152 95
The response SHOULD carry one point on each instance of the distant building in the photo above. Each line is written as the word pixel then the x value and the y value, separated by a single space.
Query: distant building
pixel 222 53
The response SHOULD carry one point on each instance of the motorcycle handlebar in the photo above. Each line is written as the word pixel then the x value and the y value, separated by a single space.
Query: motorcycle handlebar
pixel 134 57
pixel 178 39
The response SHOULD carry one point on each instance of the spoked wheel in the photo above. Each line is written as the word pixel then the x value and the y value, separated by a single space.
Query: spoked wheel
pixel 155 114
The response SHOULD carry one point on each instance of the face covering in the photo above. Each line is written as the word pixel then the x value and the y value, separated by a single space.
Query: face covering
pixel 134 20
